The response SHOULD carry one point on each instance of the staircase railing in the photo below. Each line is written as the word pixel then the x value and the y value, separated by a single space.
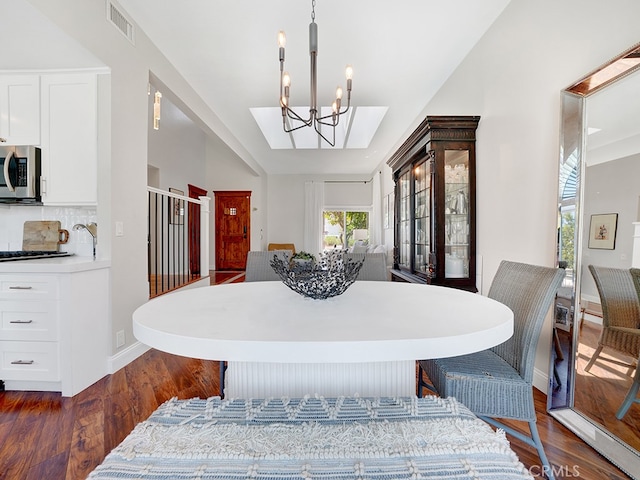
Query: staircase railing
pixel 178 240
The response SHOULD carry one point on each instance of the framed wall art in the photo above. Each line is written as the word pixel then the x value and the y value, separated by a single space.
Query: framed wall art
pixel 602 231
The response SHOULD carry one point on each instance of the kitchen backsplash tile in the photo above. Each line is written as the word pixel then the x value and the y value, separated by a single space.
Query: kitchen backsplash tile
pixel 12 220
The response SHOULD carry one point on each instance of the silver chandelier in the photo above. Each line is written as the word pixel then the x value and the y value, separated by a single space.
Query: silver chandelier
pixel 315 119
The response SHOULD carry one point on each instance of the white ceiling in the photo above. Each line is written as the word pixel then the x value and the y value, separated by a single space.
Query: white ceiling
pixel 402 52
pixel 612 116
pixel 32 42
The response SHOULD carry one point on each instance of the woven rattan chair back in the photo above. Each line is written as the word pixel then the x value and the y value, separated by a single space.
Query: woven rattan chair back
pixel 618 296
pixel 259 266
pixel 527 290
pixel 620 311
pixel 374 267
pixel 619 291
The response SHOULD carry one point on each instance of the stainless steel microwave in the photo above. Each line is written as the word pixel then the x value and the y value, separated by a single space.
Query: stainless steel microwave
pixel 20 174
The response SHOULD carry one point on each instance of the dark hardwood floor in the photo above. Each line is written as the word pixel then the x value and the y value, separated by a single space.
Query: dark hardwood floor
pixel 606 385
pixel 45 436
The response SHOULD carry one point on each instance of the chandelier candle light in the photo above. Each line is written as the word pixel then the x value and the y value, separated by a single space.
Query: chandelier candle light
pixel 315 118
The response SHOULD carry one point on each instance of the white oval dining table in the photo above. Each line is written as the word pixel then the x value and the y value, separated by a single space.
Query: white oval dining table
pixel 364 342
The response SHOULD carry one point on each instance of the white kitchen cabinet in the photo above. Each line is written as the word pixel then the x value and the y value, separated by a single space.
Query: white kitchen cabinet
pixel 69 144
pixel 31 361
pixel 29 329
pixel 54 332
pixel 19 109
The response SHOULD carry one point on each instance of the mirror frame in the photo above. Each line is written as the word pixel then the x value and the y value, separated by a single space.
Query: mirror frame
pixel 573 135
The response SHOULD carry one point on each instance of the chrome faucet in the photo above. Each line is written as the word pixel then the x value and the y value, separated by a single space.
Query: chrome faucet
pixel 92 228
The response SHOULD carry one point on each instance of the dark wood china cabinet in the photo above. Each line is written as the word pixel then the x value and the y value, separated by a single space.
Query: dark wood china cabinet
pixel 435 226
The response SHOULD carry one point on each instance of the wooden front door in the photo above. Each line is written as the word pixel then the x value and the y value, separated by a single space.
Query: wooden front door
pixel 194 230
pixel 233 232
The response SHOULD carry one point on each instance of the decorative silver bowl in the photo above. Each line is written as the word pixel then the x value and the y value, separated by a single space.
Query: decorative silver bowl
pixel 331 276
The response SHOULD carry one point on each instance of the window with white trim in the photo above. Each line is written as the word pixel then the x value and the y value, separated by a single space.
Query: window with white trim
pixel 343 228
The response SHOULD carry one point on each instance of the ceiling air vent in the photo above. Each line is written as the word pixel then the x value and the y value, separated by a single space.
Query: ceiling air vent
pixel 120 21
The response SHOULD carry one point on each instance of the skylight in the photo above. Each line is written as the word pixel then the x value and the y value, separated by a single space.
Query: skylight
pixel 355 130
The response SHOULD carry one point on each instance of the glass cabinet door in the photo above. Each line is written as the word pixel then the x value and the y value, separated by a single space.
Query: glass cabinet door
pixel 404 220
pixel 457 218
pixel 434 177
pixel 422 214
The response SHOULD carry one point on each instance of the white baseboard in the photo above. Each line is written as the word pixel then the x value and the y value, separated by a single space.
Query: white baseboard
pixel 129 354
pixel 26 386
pixel 541 380
pixel 125 357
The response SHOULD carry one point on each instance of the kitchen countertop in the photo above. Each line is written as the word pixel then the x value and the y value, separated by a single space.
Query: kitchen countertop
pixel 74 263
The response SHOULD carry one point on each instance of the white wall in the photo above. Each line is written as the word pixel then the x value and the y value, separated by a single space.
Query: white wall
pixel 177 149
pixel 610 187
pixel 226 172
pixel 131 67
pixel 512 79
pixel 347 194
pixel 285 202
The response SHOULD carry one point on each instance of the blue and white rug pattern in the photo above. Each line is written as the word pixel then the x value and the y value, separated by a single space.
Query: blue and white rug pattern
pixel 343 438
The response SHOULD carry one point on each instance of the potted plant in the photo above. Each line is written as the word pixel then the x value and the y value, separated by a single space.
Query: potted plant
pixel 302 260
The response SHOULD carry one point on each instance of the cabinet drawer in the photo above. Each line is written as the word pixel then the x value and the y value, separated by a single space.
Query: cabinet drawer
pixel 29 361
pixel 28 287
pixel 30 321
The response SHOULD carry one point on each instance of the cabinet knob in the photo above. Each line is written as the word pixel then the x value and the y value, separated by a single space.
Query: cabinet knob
pixel 3 140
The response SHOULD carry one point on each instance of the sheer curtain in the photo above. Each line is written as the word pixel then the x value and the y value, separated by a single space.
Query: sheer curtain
pixel 313 221
pixel 375 225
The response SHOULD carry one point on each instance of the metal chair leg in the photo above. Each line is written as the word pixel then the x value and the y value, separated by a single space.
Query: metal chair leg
pixel 533 440
pixel 223 369
pixel 422 384
pixel 630 397
pixel 548 470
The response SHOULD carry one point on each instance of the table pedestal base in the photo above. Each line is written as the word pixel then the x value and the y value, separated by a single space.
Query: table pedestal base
pixel 265 380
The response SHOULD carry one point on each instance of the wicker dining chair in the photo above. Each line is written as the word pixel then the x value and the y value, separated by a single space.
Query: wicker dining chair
pixel 620 315
pixel 498 382
pixel 282 246
pixel 632 395
pixel 259 265
pixel 374 267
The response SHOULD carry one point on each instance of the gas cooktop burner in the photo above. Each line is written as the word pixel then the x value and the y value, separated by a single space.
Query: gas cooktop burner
pixel 7 256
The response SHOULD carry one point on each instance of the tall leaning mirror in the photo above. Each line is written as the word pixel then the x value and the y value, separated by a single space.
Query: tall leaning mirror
pixel 598 225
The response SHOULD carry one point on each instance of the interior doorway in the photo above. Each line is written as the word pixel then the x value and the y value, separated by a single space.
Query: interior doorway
pixel 194 230
pixel 233 229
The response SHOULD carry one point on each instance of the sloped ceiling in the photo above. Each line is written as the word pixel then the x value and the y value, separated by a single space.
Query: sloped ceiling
pixel 33 42
pixel 401 52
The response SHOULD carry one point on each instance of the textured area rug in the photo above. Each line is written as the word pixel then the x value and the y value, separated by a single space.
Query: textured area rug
pixel 313 438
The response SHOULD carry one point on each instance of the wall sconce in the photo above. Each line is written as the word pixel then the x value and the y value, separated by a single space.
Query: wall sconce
pixel 156 110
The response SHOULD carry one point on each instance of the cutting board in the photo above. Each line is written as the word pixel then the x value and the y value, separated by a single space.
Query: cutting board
pixel 43 235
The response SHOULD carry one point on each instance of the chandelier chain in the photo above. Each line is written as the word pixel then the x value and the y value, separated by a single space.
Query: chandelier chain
pixel 313 10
